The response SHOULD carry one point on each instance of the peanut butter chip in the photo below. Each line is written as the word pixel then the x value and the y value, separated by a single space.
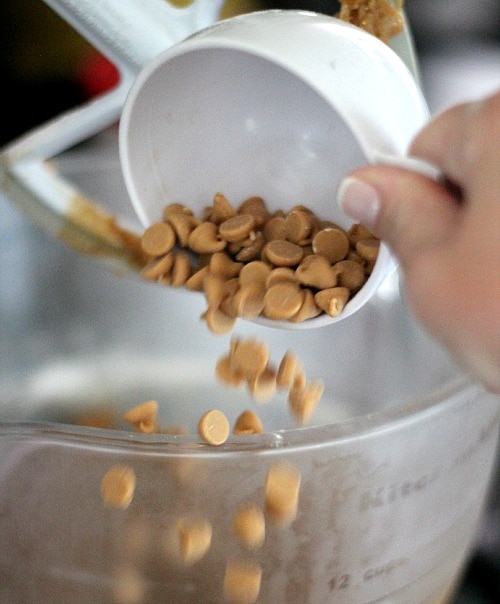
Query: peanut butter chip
pixel 288 370
pixel 251 248
pixel 263 385
pixel 357 232
pixel 249 300
pixel 304 400
pixel 282 493
pixel 242 582
pixel 332 300
pixel 331 243
pixel 249 526
pixel 316 272
pixel 282 301
pixel 176 208
pixel 368 249
pixel 299 225
pixel 248 423
pixel 283 253
pixel 256 207
pixel 254 272
pixel 158 239
pixel 195 537
pixel 183 225
pixel 275 228
pixel 278 275
pixel 350 274
pixel 222 209
pixel 158 267
pixel 118 486
pixel 181 269
pixel 143 416
pixel 222 266
pixel 250 357
pixel 213 427
pixel 237 228
pixel 205 240
pixel 309 308
pixel 226 374
pixel 195 282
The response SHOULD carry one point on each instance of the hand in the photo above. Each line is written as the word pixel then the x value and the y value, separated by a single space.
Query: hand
pixel 447 240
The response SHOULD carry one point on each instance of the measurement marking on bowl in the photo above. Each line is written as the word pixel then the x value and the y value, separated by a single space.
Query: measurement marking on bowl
pixel 395 491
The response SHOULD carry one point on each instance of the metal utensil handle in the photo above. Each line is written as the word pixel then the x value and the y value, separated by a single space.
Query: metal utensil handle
pixel 129 33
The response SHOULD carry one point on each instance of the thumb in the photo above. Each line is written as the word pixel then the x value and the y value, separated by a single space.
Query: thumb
pixel 410 212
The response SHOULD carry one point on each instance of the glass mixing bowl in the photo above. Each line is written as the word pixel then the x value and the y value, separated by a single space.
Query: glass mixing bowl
pixel 395 464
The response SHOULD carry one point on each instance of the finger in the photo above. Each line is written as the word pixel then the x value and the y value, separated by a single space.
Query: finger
pixel 408 211
pixel 458 139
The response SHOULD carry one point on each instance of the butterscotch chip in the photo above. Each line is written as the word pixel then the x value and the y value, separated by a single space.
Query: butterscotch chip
pixel 280 275
pixel 315 271
pixel 248 422
pixel 275 228
pixel 118 486
pixel 158 267
pixel 304 400
pixel 357 232
pixel 368 249
pixel 195 537
pixel 256 207
pixel 299 225
pixel 204 239
pixel 282 493
pixel 309 308
pixel 218 321
pixel 282 301
pixel 350 274
pixel 248 302
pixel 226 373
pixel 158 239
pixel 195 282
pixel 143 416
pixel 242 582
pixel 221 209
pixel 183 224
pixel 262 386
pixel 181 269
pixel 283 253
pixel 213 427
pixel 249 526
pixel 250 357
pixel 331 243
pixel 288 370
pixel 223 266
pixel 237 228
pixel 332 300
pixel 254 272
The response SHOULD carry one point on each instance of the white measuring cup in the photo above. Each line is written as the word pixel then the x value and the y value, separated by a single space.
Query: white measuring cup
pixel 280 104
pixel 277 103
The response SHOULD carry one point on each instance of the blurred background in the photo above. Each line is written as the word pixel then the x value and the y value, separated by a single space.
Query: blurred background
pixel 45 68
